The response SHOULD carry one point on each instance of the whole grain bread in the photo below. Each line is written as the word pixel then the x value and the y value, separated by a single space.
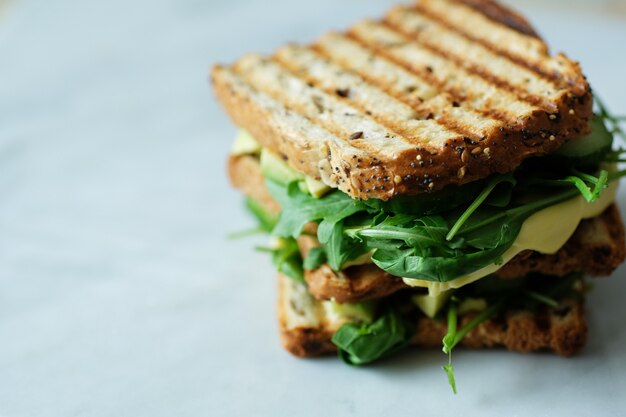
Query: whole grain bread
pixel 596 248
pixel 440 92
pixel 306 330
pixel 244 172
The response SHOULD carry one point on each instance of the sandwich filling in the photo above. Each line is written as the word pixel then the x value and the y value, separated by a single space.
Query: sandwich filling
pixel 447 239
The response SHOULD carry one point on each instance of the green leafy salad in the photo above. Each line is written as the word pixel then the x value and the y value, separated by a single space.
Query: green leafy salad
pixel 438 237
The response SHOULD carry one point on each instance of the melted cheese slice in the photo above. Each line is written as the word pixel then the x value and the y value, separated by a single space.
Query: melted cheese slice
pixel 545 231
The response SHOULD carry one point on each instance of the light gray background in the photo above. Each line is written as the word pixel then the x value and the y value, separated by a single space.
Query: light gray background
pixel 119 294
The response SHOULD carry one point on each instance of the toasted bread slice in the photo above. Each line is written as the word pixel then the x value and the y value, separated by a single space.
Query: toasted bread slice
pixel 244 172
pixel 596 248
pixel 412 103
pixel 306 330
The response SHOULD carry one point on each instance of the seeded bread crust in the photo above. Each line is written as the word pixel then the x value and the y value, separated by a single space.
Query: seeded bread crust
pixel 562 330
pixel 596 248
pixel 330 134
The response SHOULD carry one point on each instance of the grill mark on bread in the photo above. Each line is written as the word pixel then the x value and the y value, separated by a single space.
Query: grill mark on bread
pixel 472 68
pixel 537 69
pixel 285 127
pixel 459 85
pixel 410 121
pixel 470 19
pixel 485 60
pixel 323 109
pixel 401 85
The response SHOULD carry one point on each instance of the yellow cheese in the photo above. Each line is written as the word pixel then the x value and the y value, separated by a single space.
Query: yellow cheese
pixel 545 231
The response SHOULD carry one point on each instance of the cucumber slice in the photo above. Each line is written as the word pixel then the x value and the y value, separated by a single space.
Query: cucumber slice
pixel 590 149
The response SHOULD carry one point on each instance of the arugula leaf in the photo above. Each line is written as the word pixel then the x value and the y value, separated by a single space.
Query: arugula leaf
pixel 339 248
pixel 314 259
pixel 429 268
pixel 286 258
pixel 491 185
pixel 453 336
pixel 365 343
pixel 449 370
pixel 427 255
pixel 448 341
pixel 266 220
pixel 579 180
pixel 446 199
pixel 299 208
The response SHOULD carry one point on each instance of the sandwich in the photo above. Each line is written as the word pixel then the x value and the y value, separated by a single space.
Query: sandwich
pixel 434 178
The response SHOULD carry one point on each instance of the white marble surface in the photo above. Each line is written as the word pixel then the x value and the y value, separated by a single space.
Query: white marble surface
pixel 119 294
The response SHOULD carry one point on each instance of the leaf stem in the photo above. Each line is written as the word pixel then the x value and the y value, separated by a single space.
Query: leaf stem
pixel 245 233
pixel 538 205
pixel 541 298
pixel 480 317
pixel 471 209
pixel 386 234
pixel 448 339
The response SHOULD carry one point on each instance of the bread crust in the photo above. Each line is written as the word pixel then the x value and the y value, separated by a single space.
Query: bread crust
pixel 424 167
pixel 244 172
pixel 562 330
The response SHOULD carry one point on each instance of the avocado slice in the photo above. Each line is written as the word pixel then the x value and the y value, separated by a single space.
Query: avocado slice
pixel 362 312
pixel 245 144
pixel 274 168
pixel 277 170
pixel 316 188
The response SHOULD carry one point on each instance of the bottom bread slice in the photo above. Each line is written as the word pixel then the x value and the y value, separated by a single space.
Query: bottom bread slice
pixel 306 329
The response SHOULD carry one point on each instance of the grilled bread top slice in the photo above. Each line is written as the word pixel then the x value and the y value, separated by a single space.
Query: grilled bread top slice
pixel 438 92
